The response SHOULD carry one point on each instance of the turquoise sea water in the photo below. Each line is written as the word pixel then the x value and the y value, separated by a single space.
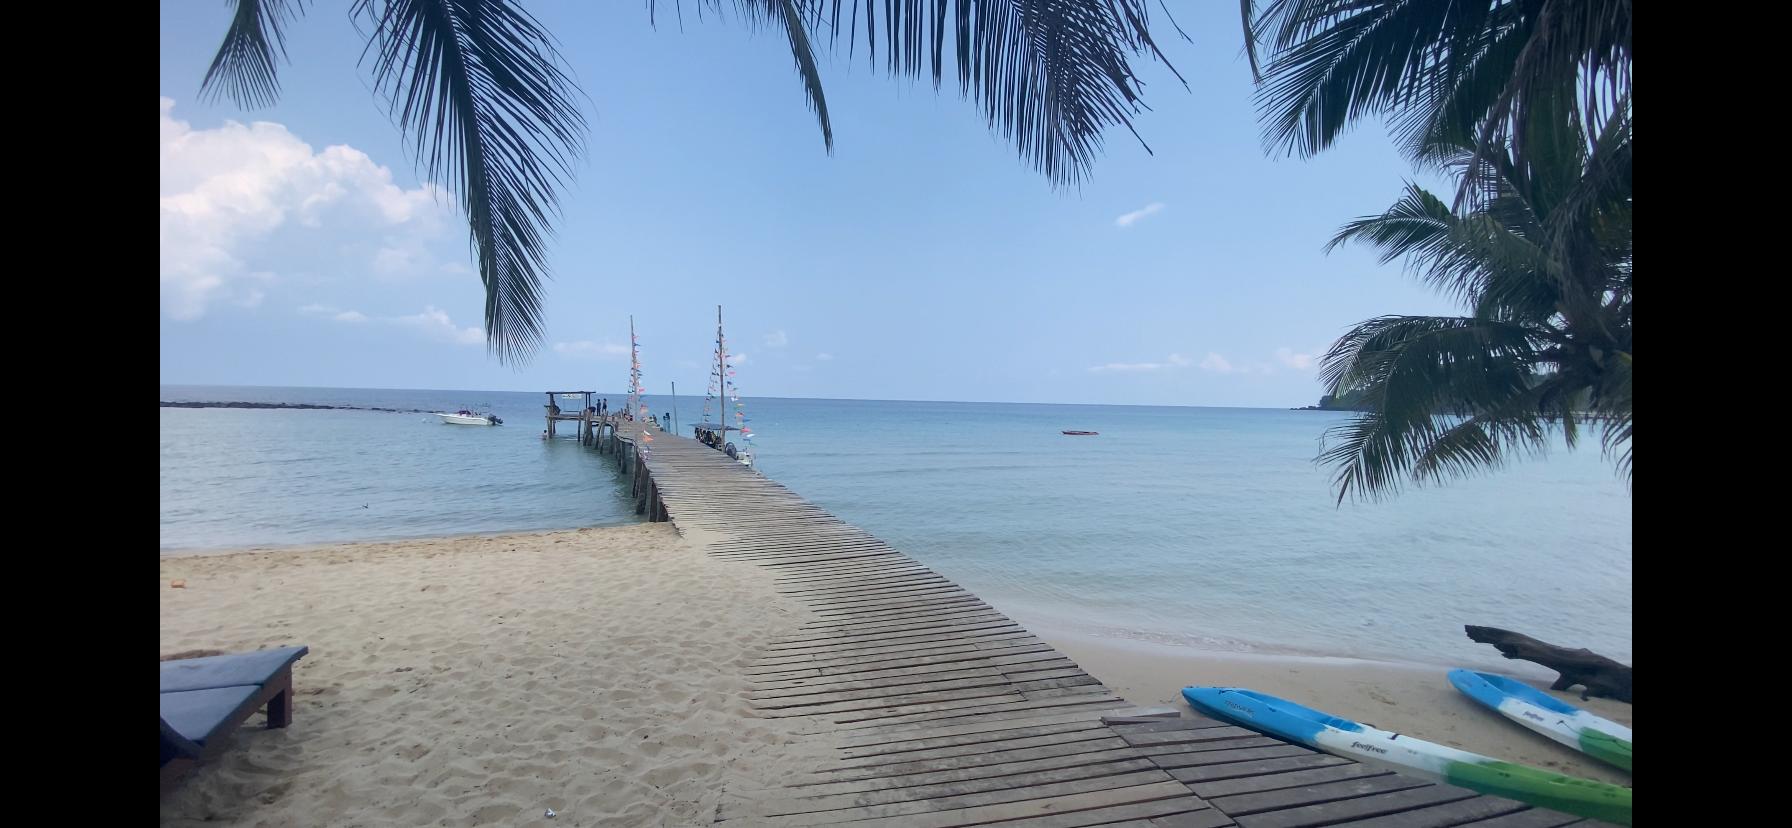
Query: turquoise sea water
pixel 1203 526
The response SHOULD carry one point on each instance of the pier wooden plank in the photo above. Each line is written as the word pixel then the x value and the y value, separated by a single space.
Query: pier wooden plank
pixel 1533 818
pixel 1156 799
pixel 1460 812
pixel 1332 812
pixel 1237 770
pixel 982 745
pixel 1208 747
pixel 1291 779
pixel 954 796
pixel 979 772
pixel 940 711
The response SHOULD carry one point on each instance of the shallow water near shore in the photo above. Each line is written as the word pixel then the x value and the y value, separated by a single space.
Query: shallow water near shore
pixel 1203 527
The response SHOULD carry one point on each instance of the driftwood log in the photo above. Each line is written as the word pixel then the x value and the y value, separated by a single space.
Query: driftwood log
pixel 1600 676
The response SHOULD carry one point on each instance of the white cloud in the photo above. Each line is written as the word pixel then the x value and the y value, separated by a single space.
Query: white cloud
pixel 1128 219
pixel 229 194
pixel 586 349
pixel 1299 362
pixel 1216 363
pixel 737 359
pixel 776 339
pixel 824 356
pixel 1173 361
pixel 333 312
pixel 1212 362
pixel 434 322
pixel 1127 367
pixel 395 261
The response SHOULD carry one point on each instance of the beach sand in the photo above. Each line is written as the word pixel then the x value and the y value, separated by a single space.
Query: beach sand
pixel 1413 699
pixel 483 680
pixel 599 673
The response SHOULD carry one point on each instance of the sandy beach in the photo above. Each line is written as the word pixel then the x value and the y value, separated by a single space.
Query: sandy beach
pixel 484 680
pixel 599 673
pixel 1413 699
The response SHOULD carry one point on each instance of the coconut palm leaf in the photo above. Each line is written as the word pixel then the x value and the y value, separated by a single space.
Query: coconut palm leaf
pixel 1545 264
pixel 1457 71
pixel 1484 260
pixel 245 68
pixel 796 29
pixel 1415 372
pixel 477 86
pixel 1051 76
pixel 795 19
pixel 1338 60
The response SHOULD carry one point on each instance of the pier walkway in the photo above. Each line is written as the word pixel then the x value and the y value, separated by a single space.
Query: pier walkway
pixel 944 712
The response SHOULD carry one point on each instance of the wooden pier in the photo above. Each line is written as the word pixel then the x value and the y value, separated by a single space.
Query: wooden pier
pixel 585 416
pixel 944 712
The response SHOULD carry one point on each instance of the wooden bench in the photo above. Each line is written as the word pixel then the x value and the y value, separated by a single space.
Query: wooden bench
pixel 204 700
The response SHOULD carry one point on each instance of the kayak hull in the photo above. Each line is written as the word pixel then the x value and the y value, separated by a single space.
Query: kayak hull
pixel 1416 757
pixel 1596 736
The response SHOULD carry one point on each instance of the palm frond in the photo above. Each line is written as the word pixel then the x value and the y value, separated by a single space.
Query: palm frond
pixel 1474 258
pixel 1452 71
pixel 1602 187
pixel 789 17
pixel 245 68
pixel 1444 121
pixel 477 86
pixel 1247 12
pixel 1413 373
pixel 1339 60
pixel 1579 58
pixel 1051 76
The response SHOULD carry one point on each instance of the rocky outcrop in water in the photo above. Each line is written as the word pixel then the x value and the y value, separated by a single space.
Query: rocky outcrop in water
pixel 189 404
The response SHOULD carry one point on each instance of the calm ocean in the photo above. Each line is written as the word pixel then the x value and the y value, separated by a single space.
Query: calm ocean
pixel 1210 527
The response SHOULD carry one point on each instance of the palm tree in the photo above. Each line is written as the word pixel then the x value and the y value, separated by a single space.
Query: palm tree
pixel 1446 72
pixel 1528 104
pixel 1544 264
pixel 477 87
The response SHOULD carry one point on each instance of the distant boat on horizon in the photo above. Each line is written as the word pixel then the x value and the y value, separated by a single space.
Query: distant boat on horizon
pixel 1081 433
pixel 465 417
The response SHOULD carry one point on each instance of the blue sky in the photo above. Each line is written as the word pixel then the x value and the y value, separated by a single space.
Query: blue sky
pixel 921 260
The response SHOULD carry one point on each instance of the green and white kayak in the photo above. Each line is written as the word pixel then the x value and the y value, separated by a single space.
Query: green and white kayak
pixel 1600 738
pixel 1343 737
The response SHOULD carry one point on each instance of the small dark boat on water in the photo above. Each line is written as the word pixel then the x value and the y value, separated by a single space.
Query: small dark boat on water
pixel 1082 433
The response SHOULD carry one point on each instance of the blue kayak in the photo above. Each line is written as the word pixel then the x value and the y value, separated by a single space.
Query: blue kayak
pixel 1595 736
pixel 1322 731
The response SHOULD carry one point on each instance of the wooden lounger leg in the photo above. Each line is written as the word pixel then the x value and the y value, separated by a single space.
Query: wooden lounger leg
pixel 280 705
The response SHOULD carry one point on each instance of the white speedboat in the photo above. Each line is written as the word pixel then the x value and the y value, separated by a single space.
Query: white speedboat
pixel 465 417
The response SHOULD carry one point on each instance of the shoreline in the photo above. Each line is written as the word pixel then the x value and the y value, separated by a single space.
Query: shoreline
pixel 1122 638
pixel 1407 697
pixel 167 553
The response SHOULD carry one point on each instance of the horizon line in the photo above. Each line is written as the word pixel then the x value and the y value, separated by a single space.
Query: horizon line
pixel 624 393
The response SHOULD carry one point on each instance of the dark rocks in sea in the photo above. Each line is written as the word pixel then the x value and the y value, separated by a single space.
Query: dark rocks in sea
pixel 1348 401
pixel 185 404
